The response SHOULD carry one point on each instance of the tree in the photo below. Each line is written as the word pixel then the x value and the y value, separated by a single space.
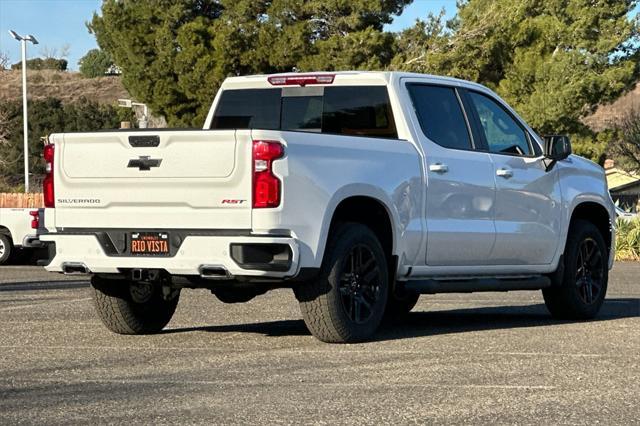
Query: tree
pixel 4 60
pixel 554 61
pixel 627 144
pixel 48 52
pixel 95 63
pixel 45 117
pixel 175 54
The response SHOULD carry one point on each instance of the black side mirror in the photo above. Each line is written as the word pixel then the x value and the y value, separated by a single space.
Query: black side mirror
pixel 557 147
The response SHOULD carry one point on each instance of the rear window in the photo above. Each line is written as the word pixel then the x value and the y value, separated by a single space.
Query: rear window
pixel 348 110
pixel 246 109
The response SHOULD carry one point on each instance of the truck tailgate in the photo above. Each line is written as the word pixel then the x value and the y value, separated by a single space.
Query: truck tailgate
pixel 175 179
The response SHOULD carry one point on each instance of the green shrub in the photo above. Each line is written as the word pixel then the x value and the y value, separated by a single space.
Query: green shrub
pixel 95 63
pixel 628 240
pixel 43 64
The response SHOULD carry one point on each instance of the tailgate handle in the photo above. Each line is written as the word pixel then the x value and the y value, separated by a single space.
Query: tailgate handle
pixel 144 141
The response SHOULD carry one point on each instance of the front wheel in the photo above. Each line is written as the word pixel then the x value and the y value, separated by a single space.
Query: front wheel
pixel 126 307
pixel 585 275
pixel 347 301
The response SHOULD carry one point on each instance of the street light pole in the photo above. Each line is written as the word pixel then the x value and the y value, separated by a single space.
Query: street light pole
pixel 25 127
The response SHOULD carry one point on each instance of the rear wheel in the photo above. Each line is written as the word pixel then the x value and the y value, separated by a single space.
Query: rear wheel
pixel 6 247
pixel 347 301
pixel 126 307
pixel 585 275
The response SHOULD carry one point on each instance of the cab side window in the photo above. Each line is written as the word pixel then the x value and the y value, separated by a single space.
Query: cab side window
pixel 504 135
pixel 440 115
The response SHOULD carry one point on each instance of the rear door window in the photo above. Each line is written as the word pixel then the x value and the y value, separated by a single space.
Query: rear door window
pixel 440 115
pixel 358 110
pixel 342 110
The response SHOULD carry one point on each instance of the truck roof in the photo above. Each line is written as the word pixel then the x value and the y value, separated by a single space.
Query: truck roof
pixel 387 76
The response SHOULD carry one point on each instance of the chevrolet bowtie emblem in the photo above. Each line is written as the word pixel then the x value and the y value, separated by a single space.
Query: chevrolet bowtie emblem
pixel 144 163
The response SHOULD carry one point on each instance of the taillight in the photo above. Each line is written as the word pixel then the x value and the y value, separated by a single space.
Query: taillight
pixel 35 219
pixel 266 186
pixel 300 79
pixel 47 184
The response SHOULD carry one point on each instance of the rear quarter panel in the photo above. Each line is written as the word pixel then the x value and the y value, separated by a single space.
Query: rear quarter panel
pixel 319 171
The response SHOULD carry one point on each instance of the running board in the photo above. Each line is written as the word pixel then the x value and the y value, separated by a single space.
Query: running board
pixel 433 286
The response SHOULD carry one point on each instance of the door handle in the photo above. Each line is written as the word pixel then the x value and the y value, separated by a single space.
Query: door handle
pixel 438 168
pixel 505 173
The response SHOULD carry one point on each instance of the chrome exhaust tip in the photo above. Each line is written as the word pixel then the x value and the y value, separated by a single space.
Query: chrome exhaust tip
pixel 75 268
pixel 214 272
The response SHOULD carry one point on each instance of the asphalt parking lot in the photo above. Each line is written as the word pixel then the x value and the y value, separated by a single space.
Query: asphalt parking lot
pixel 476 358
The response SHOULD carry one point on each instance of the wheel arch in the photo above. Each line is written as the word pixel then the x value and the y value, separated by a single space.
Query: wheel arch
pixel 367 205
pixel 5 231
pixel 369 212
pixel 597 214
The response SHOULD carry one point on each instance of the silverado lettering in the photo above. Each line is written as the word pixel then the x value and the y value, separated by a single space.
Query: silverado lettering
pixel 78 201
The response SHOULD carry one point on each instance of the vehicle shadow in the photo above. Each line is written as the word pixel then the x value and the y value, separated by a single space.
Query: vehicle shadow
pixel 430 323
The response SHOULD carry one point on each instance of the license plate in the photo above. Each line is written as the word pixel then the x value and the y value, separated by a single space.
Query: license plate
pixel 149 243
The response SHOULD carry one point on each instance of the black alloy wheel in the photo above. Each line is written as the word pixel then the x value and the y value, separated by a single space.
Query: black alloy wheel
pixel 589 271
pixel 360 284
pixel 346 302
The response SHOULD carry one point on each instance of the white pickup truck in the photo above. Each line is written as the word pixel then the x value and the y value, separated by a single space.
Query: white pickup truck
pixel 358 190
pixel 16 231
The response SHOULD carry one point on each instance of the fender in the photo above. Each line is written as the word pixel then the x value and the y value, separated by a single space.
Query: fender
pixel 581 185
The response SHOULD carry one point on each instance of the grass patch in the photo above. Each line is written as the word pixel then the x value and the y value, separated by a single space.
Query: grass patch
pixel 628 240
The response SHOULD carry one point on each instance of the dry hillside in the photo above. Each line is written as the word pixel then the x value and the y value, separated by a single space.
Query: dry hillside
pixel 607 115
pixel 67 86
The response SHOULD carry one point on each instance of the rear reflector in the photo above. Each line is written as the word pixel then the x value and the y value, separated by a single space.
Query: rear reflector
pixel 35 221
pixel 300 80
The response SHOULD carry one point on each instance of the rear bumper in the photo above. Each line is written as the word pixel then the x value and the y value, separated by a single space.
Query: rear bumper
pixel 194 254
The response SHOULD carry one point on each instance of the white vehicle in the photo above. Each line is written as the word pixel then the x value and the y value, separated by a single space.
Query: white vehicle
pixel 358 190
pixel 625 215
pixel 16 231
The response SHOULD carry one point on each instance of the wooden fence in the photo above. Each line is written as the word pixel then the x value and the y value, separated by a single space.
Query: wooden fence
pixel 17 200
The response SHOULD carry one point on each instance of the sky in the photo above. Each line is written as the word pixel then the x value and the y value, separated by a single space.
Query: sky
pixel 56 23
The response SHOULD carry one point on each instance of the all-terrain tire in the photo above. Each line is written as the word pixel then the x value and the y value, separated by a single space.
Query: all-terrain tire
pixel 572 299
pixel 329 303
pixel 6 247
pixel 119 312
